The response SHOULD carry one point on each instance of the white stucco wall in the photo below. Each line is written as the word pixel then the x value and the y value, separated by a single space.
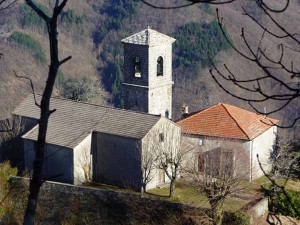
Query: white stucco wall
pixel 172 136
pixel 82 159
pixel 262 145
pixel 57 161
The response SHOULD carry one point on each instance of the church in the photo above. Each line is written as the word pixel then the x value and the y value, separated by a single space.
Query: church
pixel 108 145
pixel 105 144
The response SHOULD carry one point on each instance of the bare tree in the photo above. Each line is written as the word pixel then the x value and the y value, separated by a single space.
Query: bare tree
pixel 84 163
pixel 148 160
pixel 45 112
pixel 170 156
pixel 84 89
pixel 219 174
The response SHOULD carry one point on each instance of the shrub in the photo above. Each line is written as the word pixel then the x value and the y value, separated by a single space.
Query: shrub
pixel 30 44
pixel 240 218
pixel 6 171
pixel 284 207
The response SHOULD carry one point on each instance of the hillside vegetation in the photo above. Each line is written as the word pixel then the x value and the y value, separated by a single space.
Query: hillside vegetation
pixel 91 31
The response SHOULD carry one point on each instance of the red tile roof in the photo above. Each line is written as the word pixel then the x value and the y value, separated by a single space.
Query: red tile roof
pixel 226 121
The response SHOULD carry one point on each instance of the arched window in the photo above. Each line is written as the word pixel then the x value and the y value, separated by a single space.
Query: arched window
pixel 137 67
pixel 160 66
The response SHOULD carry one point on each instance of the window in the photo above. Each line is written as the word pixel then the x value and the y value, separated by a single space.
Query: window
pixel 137 67
pixel 200 163
pixel 161 137
pixel 200 142
pixel 160 66
pixel 167 114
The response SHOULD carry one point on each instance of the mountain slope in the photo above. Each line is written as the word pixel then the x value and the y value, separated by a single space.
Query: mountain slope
pixel 91 31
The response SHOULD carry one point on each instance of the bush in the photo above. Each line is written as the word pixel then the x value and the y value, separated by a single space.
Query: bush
pixel 30 18
pixel 284 207
pixel 29 44
pixel 240 218
pixel 6 171
pixel 198 44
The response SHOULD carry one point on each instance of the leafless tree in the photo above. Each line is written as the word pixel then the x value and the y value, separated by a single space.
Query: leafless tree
pixel 170 156
pixel 84 89
pixel 219 173
pixel 45 112
pixel 148 159
pixel 84 163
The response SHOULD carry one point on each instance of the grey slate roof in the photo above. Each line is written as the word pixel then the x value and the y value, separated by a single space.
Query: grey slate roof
pixel 149 37
pixel 73 121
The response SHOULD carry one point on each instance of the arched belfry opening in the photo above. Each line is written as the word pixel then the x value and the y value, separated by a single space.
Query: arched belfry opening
pixel 160 66
pixel 137 67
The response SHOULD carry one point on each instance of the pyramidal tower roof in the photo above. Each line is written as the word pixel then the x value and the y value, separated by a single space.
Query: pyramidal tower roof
pixel 149 37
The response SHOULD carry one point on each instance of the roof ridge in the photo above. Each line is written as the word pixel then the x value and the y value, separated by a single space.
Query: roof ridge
pixel 235 121
pixel 103 106
pixel 190 115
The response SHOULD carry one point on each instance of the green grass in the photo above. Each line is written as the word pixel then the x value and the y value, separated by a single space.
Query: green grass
pixel 189 195
pixel 293 185
pixel 185 193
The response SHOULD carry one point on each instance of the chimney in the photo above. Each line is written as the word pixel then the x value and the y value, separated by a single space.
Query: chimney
pixel 185 110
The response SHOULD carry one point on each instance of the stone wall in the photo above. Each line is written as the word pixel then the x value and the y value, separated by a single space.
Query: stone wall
pixel 71 204
pixel 68 204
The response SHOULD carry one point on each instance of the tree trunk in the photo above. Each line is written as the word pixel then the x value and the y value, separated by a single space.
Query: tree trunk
pixel 143 190
pixel 216 212
pixel 37 179
pixel 172 188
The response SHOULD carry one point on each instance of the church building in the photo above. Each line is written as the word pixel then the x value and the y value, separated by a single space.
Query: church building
pixel 105 144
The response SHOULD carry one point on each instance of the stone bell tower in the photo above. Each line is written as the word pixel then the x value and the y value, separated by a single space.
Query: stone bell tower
pixel 148 81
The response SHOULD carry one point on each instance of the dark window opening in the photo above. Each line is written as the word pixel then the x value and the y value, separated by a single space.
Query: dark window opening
pixel 161 137
pixel 167 114
pixel 160 66
pixel 137 67
pixel 200 163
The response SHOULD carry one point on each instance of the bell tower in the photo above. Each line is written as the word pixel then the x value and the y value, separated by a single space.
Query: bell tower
pixel 148 81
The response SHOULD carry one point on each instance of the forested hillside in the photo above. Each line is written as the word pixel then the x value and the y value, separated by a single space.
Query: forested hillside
pixel 91 31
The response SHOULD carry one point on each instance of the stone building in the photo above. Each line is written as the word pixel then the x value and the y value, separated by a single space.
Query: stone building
pixel 86 141
pixel 148 81
pixel 226 126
